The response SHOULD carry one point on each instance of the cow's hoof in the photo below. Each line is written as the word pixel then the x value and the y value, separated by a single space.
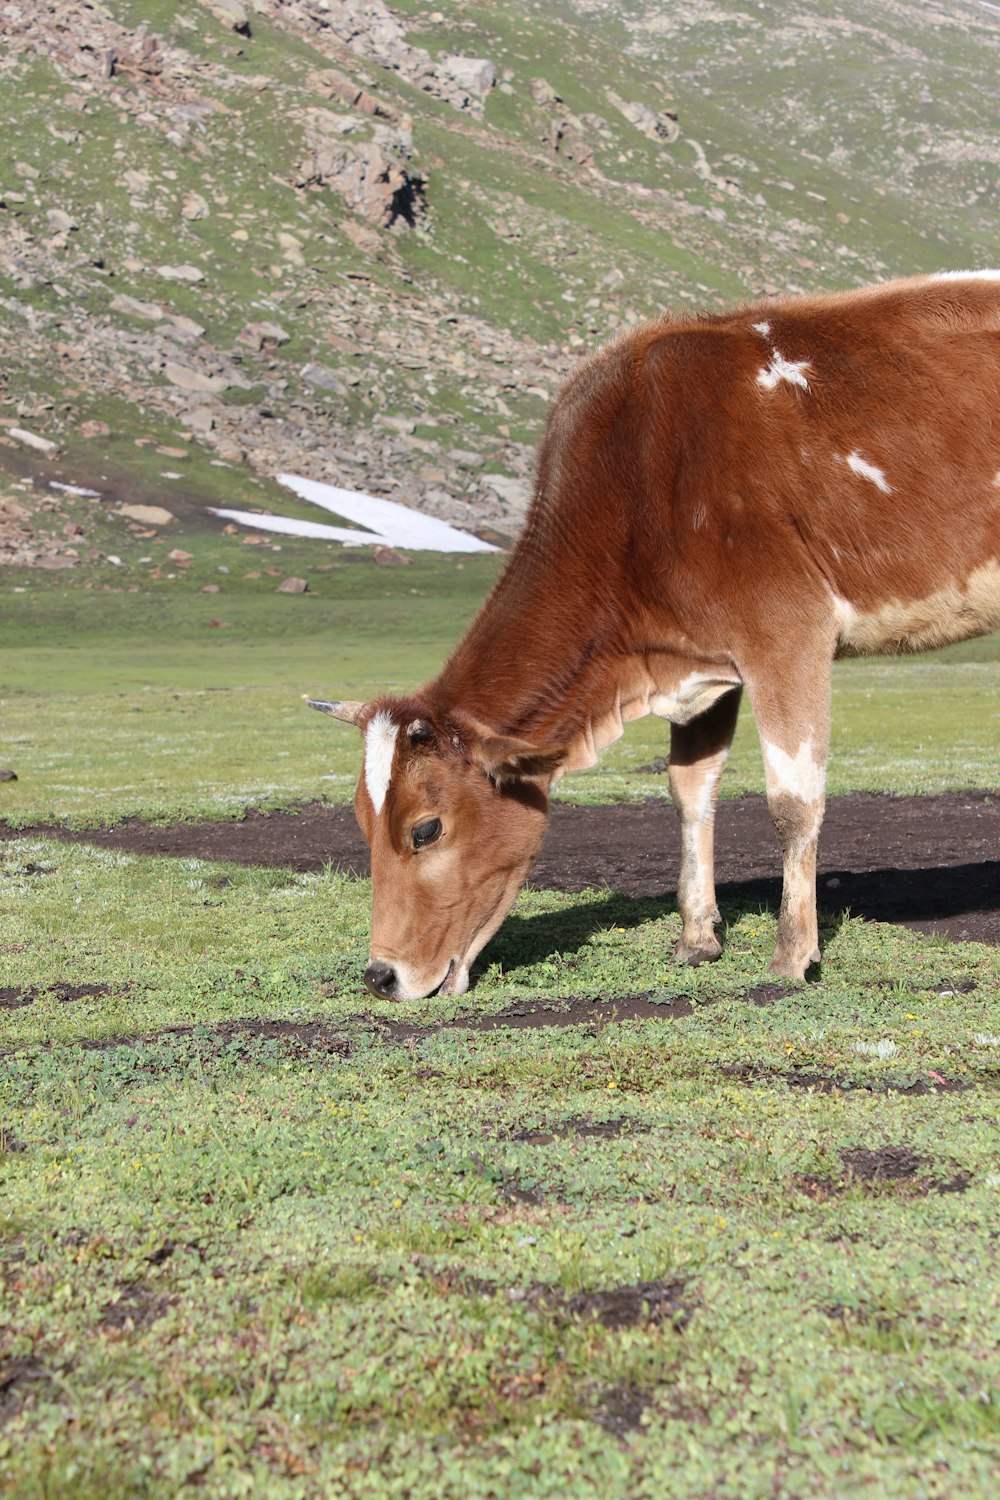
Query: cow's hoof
pixel 704 952
pixel 792 965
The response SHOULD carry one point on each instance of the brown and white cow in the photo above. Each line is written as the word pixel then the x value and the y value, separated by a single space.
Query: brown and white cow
pixel 724 502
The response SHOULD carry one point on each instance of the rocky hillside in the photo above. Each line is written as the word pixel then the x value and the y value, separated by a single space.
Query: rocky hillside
pixel 366 243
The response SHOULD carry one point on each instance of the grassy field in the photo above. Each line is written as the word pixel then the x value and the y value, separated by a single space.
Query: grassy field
pixel 602 1227
pixel 168 703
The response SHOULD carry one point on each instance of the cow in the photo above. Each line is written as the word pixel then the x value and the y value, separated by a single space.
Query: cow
pixel 722 503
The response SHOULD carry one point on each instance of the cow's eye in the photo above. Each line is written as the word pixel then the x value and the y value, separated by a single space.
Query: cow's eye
pixel 426 833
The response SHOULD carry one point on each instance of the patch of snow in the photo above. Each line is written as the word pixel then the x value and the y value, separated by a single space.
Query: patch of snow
pixel 387 524
pixel 74 489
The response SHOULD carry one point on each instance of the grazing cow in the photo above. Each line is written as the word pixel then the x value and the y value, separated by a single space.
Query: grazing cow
pixel 724 502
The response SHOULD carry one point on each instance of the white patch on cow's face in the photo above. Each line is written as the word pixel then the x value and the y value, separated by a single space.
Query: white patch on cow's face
pixel 797 775
pixel 762 328
pixel 380 747
pixel 866 470
pixel 965 276
pixel 780 369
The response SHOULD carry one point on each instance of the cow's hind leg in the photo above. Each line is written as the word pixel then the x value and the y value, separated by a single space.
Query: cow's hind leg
pixel 792 706
pixel 698 754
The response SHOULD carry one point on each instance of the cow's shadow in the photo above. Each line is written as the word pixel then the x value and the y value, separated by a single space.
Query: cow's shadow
pixel 921 898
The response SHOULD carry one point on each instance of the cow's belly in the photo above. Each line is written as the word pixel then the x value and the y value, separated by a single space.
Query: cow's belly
pixel 952 614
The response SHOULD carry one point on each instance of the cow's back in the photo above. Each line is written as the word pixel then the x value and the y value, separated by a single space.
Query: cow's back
pixel 769 460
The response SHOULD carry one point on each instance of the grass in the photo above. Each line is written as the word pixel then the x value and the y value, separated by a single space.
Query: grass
pixel 344 1266
pixel 261 1235
pixel 120 704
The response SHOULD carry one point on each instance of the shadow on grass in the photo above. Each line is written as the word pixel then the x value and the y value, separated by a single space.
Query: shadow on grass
pixel 941 900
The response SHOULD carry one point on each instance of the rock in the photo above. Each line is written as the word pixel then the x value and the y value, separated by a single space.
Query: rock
pixel 60 222
pixel 543 93
pixel 194 207
pixel 32 440
pixel 374 177
pixel 514 493
pixel 178 555
pixel 146 515
pixel 180 273
pixel 256 335
pixel 658 125
pixel 232 13
pixel 474 74
pixel 187 379
pixel 199 419
pixel 134 308
pixel 94 429
pixel 322 377
pixel 210 588
pixel 8 775
pixel 292 586
pixel 388 557
pixel 182 330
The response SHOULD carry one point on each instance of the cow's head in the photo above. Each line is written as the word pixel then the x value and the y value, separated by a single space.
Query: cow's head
pixel 454 815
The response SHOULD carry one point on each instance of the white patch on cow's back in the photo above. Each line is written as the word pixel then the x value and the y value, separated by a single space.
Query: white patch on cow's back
pixel 865 470
pixel 380 747
pixel 965 276
pixel 780 369
pixel 798 775
pixel 762 328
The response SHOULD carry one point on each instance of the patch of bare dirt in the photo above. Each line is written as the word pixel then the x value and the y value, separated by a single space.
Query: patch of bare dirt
pixel 20 1381
pixel 14 999
pixel 603 1129
pixel 929 863
pixel 620 1410
pixel 643 1303
pixel 135 1308
pixel 296 1039
pixel 838 1083
pixel 893 1168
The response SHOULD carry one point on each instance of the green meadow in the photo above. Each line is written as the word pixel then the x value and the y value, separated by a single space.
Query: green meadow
pixel 168 703
pixel 602 1227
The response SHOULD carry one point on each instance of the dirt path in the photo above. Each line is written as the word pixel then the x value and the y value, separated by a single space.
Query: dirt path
pixel 931 863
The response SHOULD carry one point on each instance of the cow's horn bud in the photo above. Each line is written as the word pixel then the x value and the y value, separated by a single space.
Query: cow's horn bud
pixel 419 732
pixel 349 711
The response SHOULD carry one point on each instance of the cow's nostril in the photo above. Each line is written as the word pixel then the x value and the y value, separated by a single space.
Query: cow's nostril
pixel 381 980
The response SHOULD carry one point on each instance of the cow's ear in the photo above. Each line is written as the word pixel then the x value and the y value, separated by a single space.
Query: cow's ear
pixel 505 758
pixel 344 709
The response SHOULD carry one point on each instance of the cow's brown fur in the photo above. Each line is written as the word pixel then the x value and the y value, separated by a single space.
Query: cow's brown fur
pixel 721 503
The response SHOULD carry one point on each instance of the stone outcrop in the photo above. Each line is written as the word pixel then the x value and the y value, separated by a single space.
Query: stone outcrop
pixel 371 31
pixel 656 124
pixel 375 176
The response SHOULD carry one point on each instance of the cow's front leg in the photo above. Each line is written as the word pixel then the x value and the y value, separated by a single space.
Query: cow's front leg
pixel 793 717
pixel 698 754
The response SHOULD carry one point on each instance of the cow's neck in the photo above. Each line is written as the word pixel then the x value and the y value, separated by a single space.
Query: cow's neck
pixel 547 657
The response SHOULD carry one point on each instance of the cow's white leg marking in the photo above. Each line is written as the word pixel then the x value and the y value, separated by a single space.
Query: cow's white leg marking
pixel 798 774
pixel 780 369
pixel 698 752
pixel 380 747
pixel 866 470
pixel 791 701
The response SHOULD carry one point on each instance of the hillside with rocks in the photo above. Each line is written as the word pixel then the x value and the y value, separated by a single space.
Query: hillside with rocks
pixel 365 243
